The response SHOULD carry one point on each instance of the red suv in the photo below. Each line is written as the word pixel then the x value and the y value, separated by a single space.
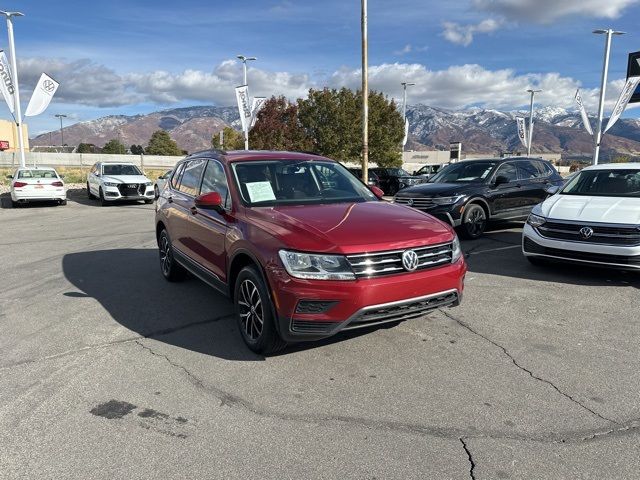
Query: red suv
pixel 302 247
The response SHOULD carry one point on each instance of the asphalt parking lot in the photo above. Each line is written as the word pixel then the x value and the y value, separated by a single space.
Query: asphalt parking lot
pixel 108 371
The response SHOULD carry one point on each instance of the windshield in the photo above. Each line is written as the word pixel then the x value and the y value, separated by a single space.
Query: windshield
pixel 282 182
pixel 605 183
pixel 37 174
pixel 464 172
pixel 115 169
pixel 398 172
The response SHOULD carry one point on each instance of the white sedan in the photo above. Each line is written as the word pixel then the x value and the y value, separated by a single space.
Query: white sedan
pixel 594 220
pixel 29 184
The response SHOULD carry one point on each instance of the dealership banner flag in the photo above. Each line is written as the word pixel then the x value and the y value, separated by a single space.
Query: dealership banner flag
pixel 522 131
pixel 42 95
pixel 244 106
pixel 406 132
pixel 6 81
pixel 623 100
pixel 256 105
pixel 583 113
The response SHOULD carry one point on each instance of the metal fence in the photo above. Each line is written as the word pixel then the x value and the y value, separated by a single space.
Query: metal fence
pixel 85 160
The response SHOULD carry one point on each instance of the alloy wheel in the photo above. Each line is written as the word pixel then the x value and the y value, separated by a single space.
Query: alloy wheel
pixel 250 309
pixel 165 255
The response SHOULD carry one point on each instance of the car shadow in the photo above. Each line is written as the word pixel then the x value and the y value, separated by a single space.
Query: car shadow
pixel 499 253
pixel 79 195
pixel 189 314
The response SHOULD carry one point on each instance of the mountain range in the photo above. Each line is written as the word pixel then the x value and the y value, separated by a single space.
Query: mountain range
pixel 480 130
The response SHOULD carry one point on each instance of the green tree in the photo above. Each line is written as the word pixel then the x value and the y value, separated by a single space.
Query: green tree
pixel 115 147
pixel 86 148
pixel 162 144
pixel 621 159
pixel 278 128
pixel 332 119
pixel 233 139
pixel 136 149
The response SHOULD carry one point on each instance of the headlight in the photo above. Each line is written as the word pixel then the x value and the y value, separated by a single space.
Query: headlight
pixel 536 220
pixel 456 250
pixel 110 184
pixel 316 267
pixel 446 200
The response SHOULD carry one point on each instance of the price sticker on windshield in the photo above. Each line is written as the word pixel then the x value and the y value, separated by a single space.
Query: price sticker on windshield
pixel 260 192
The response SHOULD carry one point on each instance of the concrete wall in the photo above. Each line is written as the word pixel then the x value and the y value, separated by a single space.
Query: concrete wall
pixel 85 159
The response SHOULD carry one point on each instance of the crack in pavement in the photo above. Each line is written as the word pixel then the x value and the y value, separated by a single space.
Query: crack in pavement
pixel 471 461
pixel 448 433
pixel 524 369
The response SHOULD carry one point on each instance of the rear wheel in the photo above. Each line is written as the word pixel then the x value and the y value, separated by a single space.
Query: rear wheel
pixel 255 313
pixel 474 221
pixel 171 270
pixel 148 202
pixel 62 202
pixel 14 204
pixel 156 191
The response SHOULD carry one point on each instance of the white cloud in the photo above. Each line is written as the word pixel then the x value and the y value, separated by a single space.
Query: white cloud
pixel 463 34
pixel 546 11
pixel 408 48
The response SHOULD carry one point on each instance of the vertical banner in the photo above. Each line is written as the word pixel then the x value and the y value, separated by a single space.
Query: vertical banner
pixel 256 105
pixel 6 81
pixel 623 100
pixel 42 95
pixel 406 132
pixel 583 113
pixel 522 132
pixel 244 106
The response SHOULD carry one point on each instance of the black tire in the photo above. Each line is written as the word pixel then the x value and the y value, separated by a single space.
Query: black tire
pixel 103 201
pixel 171 270
pixel 474 221
pixel 253 305
pixel 89 194
pixel 156 191
pixel 148 202
pixel 62 202
pixel 15 204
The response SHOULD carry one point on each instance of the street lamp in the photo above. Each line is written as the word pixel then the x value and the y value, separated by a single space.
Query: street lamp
pixel 603 87
pixel 244 59
pixel 61 116
pixel 16 93
pixel 365 90
pixel 404 109
pixel 533 93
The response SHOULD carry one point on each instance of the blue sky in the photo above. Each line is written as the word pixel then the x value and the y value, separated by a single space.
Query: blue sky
pixel 128 57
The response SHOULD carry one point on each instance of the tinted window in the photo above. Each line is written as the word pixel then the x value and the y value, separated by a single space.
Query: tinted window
pixel 605 183
pixel 474 171
pixel 509 171
pixel 533 169
pixel 175 180
pixel 191 177
pixel 215 180
pixel 115 169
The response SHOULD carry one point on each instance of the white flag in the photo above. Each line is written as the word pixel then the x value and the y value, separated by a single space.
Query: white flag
pixel 244 106
pixel 256 105
pixel 42 95
pixel 583 113
pixel 6 81
pixel 406 132
pixel 522 132
pixel 623 100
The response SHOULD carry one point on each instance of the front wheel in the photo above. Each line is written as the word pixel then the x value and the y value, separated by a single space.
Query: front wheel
pixel 171 270
pixel 255 313
pixel 103 200
pixel 156 191
pixel 474 222
pixel 89 194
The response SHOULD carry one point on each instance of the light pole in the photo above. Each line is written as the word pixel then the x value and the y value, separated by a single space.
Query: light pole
pixel 365 93
pixel 16 93
pixel 244 59
pixel 404 108
pixel 533 93
pixel 61 116
pixel 603 87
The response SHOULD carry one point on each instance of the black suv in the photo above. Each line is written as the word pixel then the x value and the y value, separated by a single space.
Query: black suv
pixel 470 193
pixel 393 180
pixel 373 179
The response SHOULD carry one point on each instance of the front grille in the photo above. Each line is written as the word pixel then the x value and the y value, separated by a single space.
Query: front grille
pixel 314 306
pixel 368 265
pixel 421 203
pixel 305 326
pixel 624 235
pixel 131 189
pixel 530 246
pixel 402 311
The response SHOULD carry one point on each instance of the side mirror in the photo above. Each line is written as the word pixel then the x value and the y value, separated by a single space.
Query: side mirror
pixel 552 189
pixel 500 180
pixel 210 201
pixel 377 191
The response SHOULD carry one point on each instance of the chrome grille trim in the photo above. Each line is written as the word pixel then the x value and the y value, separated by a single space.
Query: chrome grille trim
pixel 603 234
pixel 367 265
pixel 418 202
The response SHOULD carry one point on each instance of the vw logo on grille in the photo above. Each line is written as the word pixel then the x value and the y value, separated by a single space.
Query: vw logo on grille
pixel 410 202
pixel 586 233
pixel 410 260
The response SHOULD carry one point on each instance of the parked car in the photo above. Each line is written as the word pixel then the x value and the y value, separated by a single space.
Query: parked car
pixel 427 171
pixel 302 259
pixel 37 184
pixel 470 193
pixel 112 182
pixel 593 220
pixel 161 182
pixel 393 180
pixel 373 179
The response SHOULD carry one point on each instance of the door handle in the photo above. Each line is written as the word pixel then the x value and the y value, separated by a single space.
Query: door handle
pixel 194 210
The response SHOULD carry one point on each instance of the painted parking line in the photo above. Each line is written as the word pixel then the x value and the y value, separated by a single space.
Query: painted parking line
pixel 489 250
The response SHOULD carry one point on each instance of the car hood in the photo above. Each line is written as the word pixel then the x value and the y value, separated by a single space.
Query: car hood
pixel 592 209
pixel 125 178
pixel 351 227
pixel 437 189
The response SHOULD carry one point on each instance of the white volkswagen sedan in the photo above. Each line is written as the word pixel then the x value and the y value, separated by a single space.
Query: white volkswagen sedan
pixel 112 182
pixel 31 184
pixel 594 219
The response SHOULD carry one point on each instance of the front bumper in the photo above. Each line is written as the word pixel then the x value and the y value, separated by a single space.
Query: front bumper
pixel 114 194
pixel 363 302
pixel 620 257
